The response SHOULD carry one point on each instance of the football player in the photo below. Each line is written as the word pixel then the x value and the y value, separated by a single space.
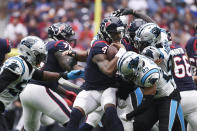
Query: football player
pixel 151 42
pixel 99 81
pixel 17 71
pixel 161 98
pixel 191 48
pixel 42 97
pixel 5 47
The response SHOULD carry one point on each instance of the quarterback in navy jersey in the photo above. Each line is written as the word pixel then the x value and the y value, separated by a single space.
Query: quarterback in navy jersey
pixel 44 97
pixel 99 82
pixel 5 47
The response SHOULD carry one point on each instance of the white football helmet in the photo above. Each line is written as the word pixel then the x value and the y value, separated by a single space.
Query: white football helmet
pixel 127 65
pixel 33 49
pixel 148 34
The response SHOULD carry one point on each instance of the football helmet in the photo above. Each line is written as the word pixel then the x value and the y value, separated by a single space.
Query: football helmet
pixel 127 65
pixel 148 35
pixel 33 49
pixel 134 26
pixel 61 31
pixel 109 27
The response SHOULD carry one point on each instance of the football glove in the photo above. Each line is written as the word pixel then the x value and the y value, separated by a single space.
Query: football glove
pixel 74 74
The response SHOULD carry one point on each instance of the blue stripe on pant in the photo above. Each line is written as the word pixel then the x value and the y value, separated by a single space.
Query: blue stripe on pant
pixel 139 96
pixel 181 118
pixel 173 109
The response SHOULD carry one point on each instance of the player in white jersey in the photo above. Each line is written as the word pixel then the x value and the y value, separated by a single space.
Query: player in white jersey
pixel 17 71
pixel 161 99
pixel 158 49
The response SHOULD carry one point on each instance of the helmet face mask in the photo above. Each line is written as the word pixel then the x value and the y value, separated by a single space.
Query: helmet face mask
pixel 33 49
pixel 134 26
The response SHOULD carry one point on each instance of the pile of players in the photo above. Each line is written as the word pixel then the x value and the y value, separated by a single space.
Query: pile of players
pixel 148 82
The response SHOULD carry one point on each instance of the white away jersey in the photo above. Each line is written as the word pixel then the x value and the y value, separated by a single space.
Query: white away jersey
pixel 18 66
pixel 147 73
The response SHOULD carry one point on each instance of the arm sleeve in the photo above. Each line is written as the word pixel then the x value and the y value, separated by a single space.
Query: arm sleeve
pixel 6 78
pixel 38 75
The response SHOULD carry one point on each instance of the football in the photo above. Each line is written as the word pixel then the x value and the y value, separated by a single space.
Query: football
pixel 111 52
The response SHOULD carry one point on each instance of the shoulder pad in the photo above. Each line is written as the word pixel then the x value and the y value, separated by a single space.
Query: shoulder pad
pixel 150 78
pixel 152 53
pixel 15 65
pixel 99 43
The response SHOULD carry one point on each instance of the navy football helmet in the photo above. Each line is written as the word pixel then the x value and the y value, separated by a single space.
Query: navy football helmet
pixel 61 31
pixel 109 27
pixel 134 26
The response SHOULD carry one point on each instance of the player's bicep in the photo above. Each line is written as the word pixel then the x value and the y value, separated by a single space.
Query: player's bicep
pixel 101 61
pixel 66 62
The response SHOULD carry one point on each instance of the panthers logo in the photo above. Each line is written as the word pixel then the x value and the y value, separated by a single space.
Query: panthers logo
pixel 156 31
pixel 28 43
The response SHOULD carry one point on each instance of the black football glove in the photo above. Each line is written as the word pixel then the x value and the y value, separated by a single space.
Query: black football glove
pixel 118 12
pixel 127 11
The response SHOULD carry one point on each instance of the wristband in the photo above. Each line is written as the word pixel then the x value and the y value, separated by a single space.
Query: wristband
pixel 120 52
pixel 64 75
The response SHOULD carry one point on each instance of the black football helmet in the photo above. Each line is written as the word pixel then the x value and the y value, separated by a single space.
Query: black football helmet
pixel 134 26
pixel 109 26
pixel 61 31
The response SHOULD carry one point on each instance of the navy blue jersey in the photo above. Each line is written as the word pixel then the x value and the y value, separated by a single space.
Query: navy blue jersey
pixel 52 63
pixel 191 49
pixel 94 78
pixel 182 69
pixel 4 49
pixel 129 47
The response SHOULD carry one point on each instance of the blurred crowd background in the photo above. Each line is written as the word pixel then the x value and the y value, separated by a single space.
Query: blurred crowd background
pixel 20 18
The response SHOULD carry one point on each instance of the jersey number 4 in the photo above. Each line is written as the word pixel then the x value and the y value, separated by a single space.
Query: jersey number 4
pixel 182 66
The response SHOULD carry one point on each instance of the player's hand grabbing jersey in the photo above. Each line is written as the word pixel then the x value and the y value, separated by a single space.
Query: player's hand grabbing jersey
pixel 52 63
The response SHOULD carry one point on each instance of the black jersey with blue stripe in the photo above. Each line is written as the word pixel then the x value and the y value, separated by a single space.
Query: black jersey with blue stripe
pixel 52 62
pixel 94 78
pixel 182 69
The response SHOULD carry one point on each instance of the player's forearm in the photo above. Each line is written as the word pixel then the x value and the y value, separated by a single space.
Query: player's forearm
pixel 195 79
pixel 108 68
pixel 81 55
pixel 50 76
